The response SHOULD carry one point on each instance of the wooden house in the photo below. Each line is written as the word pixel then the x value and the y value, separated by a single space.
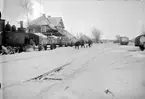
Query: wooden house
pixel 44 26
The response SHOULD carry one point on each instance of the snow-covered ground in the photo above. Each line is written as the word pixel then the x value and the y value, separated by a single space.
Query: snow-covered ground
pixel 87 74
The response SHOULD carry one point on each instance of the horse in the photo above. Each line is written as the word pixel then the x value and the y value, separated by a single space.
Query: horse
pixel 89 43
pixel 82 43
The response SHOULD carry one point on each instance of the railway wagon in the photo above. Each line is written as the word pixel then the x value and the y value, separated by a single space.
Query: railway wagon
pixel 137 40
pixel 140 42
pixel 66 42
pixel 34 37
pixel 124 40
pixel 37 38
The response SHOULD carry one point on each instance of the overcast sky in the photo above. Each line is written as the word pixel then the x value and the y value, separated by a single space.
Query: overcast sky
pixel 112 17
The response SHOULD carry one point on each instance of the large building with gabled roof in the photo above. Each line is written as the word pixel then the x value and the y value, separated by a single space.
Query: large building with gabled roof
pixel 50 26
pixel 43 25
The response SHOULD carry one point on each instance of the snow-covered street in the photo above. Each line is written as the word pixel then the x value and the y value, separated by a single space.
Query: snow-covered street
pixel 68 73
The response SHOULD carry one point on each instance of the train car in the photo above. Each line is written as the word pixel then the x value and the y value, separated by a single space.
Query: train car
pixel 65 41
pixel 42 38
pixel 137 40
pixel 38 38
pixel 124 41
pixel 140 42
pixel 34 37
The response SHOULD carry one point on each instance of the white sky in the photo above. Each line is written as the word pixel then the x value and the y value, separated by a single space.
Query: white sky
pixel 112 17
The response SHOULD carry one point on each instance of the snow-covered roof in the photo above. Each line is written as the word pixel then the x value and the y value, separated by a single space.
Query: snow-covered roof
pixel 56 21
pixel 41 35
pixel 53 36
pixel 42 21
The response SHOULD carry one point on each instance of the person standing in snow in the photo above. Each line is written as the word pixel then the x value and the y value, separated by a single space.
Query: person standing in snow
pixel 45 46
pixel 39 47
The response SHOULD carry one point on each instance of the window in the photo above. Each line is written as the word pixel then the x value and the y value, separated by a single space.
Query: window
pixel 43 28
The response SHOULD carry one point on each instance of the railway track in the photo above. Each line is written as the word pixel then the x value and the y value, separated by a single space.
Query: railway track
pixel 48 73
pixel 40 76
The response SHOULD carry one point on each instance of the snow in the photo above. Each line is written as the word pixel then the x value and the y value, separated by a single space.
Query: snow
pixel 41 35
pixel 91 71
pixel 28 65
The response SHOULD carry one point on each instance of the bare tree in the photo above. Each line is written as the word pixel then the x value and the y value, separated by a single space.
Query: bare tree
pixel 84 37
pixel 118 37
pixel 96 34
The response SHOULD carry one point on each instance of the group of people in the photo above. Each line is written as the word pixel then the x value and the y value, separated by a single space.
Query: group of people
pixel 82 43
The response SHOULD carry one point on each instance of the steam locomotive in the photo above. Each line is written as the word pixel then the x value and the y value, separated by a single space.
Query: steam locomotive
pixel 124 41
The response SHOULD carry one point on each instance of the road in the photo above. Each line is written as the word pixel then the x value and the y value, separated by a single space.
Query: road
pixel 104 71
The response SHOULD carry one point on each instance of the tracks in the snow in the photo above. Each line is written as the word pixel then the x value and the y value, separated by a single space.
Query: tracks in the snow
pixel 48 73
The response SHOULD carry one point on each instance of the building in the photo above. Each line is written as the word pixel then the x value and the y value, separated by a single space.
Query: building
pixel 51 26
pixel 44 26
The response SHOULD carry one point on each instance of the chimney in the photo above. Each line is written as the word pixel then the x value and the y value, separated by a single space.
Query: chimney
pixel 21 24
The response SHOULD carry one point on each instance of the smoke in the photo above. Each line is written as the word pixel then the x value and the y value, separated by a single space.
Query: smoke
pixel 1 5
pixel 37 10
pixel 32 10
